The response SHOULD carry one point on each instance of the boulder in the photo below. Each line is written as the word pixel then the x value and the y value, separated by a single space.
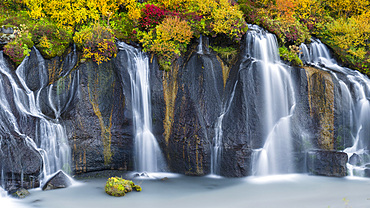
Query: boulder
pixel 21 193
pixel 59 180
pixel 327 163
pixel 355 159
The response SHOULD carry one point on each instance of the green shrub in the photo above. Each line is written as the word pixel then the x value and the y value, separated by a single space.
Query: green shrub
pixel 123 27
pixel 291 55
pixel 117 186
pixel 226 53
pixel 50 40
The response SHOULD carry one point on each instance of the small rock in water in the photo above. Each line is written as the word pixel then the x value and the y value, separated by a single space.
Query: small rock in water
pixel 143 174
pixel 355 159
pixel 59 180
pixel 21 193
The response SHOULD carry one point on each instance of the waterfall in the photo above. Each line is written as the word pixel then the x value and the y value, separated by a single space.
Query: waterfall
pixel 217 141
pixel 275 157
pixel 355 93
pixel 148 156
pixel 200 46
pixel 50 137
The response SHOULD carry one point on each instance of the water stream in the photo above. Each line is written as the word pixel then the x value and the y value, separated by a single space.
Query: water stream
pixel 355 93
pixel 275 157
pixel 148 155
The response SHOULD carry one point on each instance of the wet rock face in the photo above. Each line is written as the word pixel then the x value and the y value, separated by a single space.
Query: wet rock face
pixel 193 97
pixel 20 164
pixel 327 163
pixel 99 129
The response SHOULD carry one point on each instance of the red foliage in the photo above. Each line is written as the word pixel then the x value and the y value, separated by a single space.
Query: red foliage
pixel 151 16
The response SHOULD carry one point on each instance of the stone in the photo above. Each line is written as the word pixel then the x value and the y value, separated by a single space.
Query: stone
pixel 20 162
pixel 367 171
pixel 8 30
pixel 21 193
pixel 59 180
pixel 355 159
pixel 327 163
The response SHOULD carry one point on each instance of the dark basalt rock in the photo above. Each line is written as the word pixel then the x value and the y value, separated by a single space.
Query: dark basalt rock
pixel 198 103
pixel 367 171
pixel 59 180
pixel 18 158
pixel 327 163
pixel 99 126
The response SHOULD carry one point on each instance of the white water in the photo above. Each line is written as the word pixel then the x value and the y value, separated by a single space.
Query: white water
pixel 148 156
pixel 50 134
pixel 355 92
pixel 8 202
pixel 275 157
pixel 200 46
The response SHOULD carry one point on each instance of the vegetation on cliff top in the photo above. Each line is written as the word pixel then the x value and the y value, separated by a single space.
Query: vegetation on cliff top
pixel 342 25
pixel 166 27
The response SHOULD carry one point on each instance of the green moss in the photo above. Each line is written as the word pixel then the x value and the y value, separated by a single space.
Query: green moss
pixel 226 53
pixel 117 186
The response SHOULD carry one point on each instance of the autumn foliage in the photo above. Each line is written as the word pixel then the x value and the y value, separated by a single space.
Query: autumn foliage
pixel 166 27
pixel 97 42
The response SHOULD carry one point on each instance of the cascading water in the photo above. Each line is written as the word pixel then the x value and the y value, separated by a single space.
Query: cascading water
pixel 217 141
pixel 355 93
pixel 275 157
pixel 50 134
pixel 148 156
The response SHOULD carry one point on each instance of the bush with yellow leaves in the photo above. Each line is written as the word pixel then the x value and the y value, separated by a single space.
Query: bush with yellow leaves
pixel 169 39
pixel 97 42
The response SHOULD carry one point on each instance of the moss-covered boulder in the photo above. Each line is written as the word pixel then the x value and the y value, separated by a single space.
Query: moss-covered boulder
pixel 117 186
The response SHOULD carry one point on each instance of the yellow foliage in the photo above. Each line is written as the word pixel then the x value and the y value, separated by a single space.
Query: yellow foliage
pixel 348 8
pixel 354 31
pixel 308 8
pixel 224 17
pixel 72 12
pixel 172 36
pixel 44 42
pixel 97 43
pixel 172 4
pixel 133 8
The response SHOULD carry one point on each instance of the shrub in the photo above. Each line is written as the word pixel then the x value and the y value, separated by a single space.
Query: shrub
pixel 16 51
pixel 291 55
pixel 226 53
pixel 97 42
pixel 169 39
pixel 117 186
pixel 19 48
pixel 220 17
pixel 152 15
pixel 123 27
pixel 50 40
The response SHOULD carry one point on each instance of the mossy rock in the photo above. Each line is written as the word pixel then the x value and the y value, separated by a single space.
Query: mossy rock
pixel 117 186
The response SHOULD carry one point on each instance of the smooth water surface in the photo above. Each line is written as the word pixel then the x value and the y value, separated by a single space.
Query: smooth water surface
pixel 285 191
